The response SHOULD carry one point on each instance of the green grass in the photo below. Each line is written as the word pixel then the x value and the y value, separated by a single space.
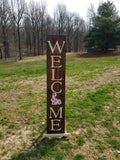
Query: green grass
pixel 80 141
pixel 115 143
pixel 1 135
pixel 101 158
pixel 79 156
pixel 89 133
pixel 13 87
pixel 91 108
pixel 92 115
pixel 101 148
pixel 94 66
pixel 22 70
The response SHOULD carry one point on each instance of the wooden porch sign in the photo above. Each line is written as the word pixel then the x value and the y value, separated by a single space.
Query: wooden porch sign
pixel 56 49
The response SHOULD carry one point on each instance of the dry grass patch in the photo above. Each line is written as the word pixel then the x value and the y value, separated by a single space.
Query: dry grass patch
pixel 107 77
pixel 18 114
pixel 92 110
pixel 20 140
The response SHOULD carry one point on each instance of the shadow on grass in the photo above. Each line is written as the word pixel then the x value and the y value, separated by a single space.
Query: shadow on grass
pixel 44 148
pixel 110 53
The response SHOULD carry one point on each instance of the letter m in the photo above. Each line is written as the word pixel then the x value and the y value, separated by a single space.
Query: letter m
pixel 56 45
pixel 59 112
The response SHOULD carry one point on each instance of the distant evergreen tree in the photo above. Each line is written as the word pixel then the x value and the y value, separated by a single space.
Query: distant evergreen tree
pixel 104 32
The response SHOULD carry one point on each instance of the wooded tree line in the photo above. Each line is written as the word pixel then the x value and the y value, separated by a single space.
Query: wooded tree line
pixel 24 27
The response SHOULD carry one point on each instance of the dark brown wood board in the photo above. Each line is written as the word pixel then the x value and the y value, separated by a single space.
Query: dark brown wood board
pixel 56 59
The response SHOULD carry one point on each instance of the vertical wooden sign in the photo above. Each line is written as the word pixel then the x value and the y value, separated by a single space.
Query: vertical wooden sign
pixel 56 49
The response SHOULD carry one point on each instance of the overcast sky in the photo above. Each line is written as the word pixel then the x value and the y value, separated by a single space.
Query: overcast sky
pixel 79 6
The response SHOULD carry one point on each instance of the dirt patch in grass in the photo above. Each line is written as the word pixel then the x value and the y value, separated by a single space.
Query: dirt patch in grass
pixel 37 84
pixel 80 131
pixel 116 123
pixel 33 58
pixel 25 103
pixel 89 150
pixel 108 76
pixel 99 54
pixel 41 57
pixel 20 140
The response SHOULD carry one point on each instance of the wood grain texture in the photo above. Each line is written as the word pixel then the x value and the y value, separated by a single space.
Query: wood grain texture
pixel 58 60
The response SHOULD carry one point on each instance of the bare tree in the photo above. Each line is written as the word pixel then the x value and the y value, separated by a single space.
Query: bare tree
pixel 43 23
pixel 50 27
pixel 18 12
pixel 79 30
pixel 60 18
pixel 28 24
pixel 90 14
pixel 69 30
pixel 28 35
pixel 37 15
pixel 5 21
pixel 71 25
pixel 32 16
pixel 40 15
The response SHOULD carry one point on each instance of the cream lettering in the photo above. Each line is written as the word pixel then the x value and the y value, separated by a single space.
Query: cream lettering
pixel 56 45
pixel 55 126
pixel 53 87
pixel 53 61
pixel 59 112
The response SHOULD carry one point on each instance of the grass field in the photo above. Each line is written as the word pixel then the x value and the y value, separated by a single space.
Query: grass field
pixel 92 110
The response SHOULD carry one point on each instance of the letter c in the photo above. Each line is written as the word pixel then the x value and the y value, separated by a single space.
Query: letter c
pixel 52 87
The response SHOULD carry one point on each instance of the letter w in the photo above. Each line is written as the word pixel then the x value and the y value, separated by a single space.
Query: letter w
pixel 56 45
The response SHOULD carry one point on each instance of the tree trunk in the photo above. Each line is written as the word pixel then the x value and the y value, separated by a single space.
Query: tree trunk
pixel 1 56
pixel 105 50
pixel 42 50
pixel 5 42
pixel 38 43
pixel 15 40
pixel 19 42
pixel 30 48
pixel 34 43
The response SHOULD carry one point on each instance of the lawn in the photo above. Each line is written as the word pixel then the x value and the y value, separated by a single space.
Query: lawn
pixel 92 110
